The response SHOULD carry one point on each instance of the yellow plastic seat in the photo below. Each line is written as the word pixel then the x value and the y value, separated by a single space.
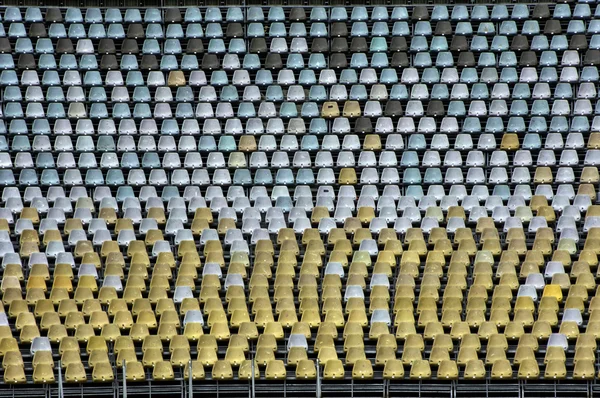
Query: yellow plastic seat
pixel 393 369
pixel 163 370
pixel 247 143
pixel 362 370
pixel 529 369
pixel 351 109
pixel 305 369
pixel 420 370
pixel 197 371
pixel 334 369
pixel 555 368
pixel 275 370
pixel 135 371
pixel 75 373
pixel 330 110
pixel 584 369
pixel 103 372
pixel 590 175
pixel 347 176
pixel 510 142
pixel 372 142
pixel 222 370
pixel 14 374
pixel 43 373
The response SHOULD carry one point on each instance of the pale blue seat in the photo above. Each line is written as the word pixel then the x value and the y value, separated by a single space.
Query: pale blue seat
pixel 399 13
pixel 295 61
pixel 460 13
pixel 359 61
pixel 317 126
pixel 400 28
pixel 456 108
pixel 73 15
pixel 440 13
pixel 172 46
pixel 419 44
pixel 255 14
pixel 263 177
pixel 479 43
pixel 559 124
pixel 540 108
pixel 509 75
pixel 153 15
pixel 444 59
pixel 17 29
pixel 23 46
pixel 339 14
pixel 276 14
pixel 277 29
pixel 499 12
pixel 274 93
pixel 471 125
pixel 88 62
pixel 562 11
pixel 359 13
pixel 593 27
pixel 28 177
pixel 318 14
pixel 494 125
pixel 169 62
pixel 133 15
pixel 359 29
pixel 480 13
pixel 576 27
pixel 516 124
pixel 216 46
pixel 213 14
pixel 548 58
pixel 194 30
pixel 348 76
pixel 433 176
pixel 297 29
pixel 463 29
pixel 378 44
pixel 77 31
pixel 520 11
pixel 439 43
pixel 113 15
pixel 44 46
pixel 174 31
pixel 255 29
pixel 115 31
pixel 412 176
pixel 423 28
pixel 417 142
pixel 6 62
pixel 379 13
pixel 559 43
pixel 388 76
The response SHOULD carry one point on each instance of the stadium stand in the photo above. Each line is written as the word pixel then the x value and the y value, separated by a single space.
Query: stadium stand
pixel 296 201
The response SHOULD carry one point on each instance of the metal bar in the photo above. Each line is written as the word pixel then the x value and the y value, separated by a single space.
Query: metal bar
pixel 318 379
pixel 60 384
pixel 124 379
pixel 191 393
pixel 253 381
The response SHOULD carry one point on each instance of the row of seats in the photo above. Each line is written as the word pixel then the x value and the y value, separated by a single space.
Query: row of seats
pixel 498 12
pixel 463 136
pixel 296 29
pixel 297 93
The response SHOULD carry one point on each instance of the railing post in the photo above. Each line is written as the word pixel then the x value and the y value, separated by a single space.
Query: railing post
pixel 318 379
pixel 61 393
pixel 253 384
pixel 124 379
pixel 191 392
